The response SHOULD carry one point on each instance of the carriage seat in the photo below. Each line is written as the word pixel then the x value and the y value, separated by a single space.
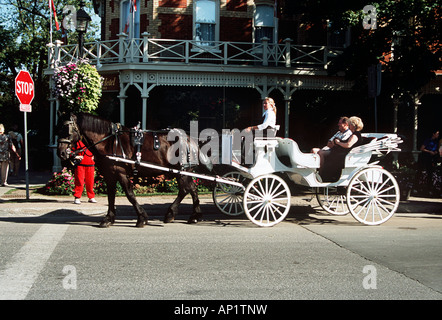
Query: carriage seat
pixel 289 154
pixel 372 143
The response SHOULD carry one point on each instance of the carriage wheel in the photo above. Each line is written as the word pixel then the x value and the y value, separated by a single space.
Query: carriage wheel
pixel 373 196
pixel 267 200
pixel 332 200
pixel 228 198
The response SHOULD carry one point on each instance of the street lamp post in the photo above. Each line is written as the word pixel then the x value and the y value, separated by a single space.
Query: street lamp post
pixel 83 20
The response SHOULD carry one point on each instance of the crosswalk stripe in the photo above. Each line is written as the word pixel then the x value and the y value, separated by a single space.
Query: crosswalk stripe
pixel 20 273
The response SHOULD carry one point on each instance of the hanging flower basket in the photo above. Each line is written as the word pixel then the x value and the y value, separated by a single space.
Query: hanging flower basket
pixel 78 87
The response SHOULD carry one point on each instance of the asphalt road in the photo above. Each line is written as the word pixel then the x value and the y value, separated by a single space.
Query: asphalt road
pixel 59 253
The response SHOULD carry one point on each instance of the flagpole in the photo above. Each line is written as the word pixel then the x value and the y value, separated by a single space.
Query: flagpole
pixel 50 21
pixel 133 20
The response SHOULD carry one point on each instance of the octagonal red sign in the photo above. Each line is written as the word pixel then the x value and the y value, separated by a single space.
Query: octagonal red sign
pixel 24 89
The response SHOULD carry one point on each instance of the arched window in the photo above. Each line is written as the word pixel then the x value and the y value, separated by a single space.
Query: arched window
pixel 130 18
pixel 206 22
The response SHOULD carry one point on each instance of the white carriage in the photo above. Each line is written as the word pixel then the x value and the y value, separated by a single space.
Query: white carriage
pixel 366 190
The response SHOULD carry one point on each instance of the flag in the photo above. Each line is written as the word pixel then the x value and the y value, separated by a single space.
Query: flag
pixel 55 15
pixel 132 8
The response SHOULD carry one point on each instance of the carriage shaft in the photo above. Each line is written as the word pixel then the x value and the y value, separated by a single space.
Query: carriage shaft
pixel 176 171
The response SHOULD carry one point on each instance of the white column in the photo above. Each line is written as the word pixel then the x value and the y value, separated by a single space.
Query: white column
pixel 122 107
pixel 144 112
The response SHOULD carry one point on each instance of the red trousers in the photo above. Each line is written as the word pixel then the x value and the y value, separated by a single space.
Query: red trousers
pixel 84 176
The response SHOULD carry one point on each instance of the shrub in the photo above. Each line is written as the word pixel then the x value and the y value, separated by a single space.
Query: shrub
pixel 61 183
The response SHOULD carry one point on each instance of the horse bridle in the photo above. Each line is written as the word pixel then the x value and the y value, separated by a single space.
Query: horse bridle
pixel 73 128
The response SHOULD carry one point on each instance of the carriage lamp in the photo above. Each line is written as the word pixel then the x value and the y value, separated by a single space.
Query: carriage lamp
pixel 83 20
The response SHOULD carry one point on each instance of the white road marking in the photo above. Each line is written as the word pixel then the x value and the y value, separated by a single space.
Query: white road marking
pixel 20 273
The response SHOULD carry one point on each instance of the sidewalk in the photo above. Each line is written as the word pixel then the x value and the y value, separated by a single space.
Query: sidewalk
pixel 19 182
pixel 13 201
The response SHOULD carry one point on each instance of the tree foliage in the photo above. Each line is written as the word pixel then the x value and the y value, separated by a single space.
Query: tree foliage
pixel 24 35
pixel 407 41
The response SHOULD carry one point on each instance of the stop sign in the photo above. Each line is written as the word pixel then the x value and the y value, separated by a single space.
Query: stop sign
pixel 24 90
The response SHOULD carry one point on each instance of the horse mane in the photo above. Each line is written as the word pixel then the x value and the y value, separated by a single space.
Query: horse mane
pixel 89 122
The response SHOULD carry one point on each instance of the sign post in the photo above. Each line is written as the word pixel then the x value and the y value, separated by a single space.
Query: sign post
pixel 24 90
pixel 374 88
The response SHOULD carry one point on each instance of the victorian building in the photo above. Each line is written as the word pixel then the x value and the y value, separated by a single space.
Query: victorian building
pixel 166 61
pixel 242 44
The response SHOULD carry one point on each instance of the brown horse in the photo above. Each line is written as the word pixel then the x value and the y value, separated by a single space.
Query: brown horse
pixel 104 138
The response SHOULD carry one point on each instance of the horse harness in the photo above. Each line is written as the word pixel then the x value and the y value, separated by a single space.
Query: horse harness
pixel 136 138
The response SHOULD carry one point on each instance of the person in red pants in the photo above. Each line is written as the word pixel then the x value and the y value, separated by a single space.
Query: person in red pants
pixel 84 174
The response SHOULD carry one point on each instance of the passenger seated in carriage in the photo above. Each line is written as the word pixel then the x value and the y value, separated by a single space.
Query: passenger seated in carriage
pixel 330 170
pixel 343 134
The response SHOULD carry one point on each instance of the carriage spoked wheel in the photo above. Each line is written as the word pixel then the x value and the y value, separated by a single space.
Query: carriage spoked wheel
pixel 228 198
pixel 267 200
pixel 333 200
pixel 373 196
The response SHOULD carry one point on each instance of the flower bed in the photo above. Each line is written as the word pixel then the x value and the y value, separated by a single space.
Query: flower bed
pixel 62 183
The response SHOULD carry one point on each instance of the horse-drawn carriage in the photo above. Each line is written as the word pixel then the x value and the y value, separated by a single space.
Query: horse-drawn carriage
pixel 261 191
pixel 366 190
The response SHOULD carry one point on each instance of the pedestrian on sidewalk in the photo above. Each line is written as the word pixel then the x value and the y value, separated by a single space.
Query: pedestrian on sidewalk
pixel 427 161
pixel 17 140
pixel 84 173
pixel 6 147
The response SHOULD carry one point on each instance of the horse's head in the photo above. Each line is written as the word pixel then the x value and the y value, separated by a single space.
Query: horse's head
pixel 68 136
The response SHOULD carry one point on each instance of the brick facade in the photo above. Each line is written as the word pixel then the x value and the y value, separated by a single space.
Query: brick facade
pixel 173 19
pixel 173 3
pixel 175 26
pixel 235 29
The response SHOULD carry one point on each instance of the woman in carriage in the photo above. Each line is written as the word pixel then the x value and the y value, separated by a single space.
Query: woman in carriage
pixel 330 171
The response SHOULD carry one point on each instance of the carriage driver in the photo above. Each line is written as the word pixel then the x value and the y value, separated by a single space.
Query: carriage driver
pixel 269 115
pixel 267 128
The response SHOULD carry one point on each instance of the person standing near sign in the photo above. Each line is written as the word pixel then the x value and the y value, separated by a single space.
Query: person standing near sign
pixel 84 173
pixel 17 140
pixel 6 147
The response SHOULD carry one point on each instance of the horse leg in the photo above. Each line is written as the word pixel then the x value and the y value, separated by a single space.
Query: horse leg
pixel 173 209
pixel 185 185
pixel 109 219
pixel 130 195
pixel 197 214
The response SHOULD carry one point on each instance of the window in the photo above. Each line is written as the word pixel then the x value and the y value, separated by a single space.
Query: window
pixel 205 22
pixel 264 21
pixel 337 38
pixel 130 18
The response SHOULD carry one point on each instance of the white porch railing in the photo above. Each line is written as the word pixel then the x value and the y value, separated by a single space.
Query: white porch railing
pixel 145 50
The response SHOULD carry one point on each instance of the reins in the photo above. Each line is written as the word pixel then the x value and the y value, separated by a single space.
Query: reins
pixel 116 131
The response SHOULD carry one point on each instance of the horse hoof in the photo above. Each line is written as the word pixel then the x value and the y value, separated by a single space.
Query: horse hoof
pixel 168 219
pixel 192 221
pixel 104 224
pixel 141 223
